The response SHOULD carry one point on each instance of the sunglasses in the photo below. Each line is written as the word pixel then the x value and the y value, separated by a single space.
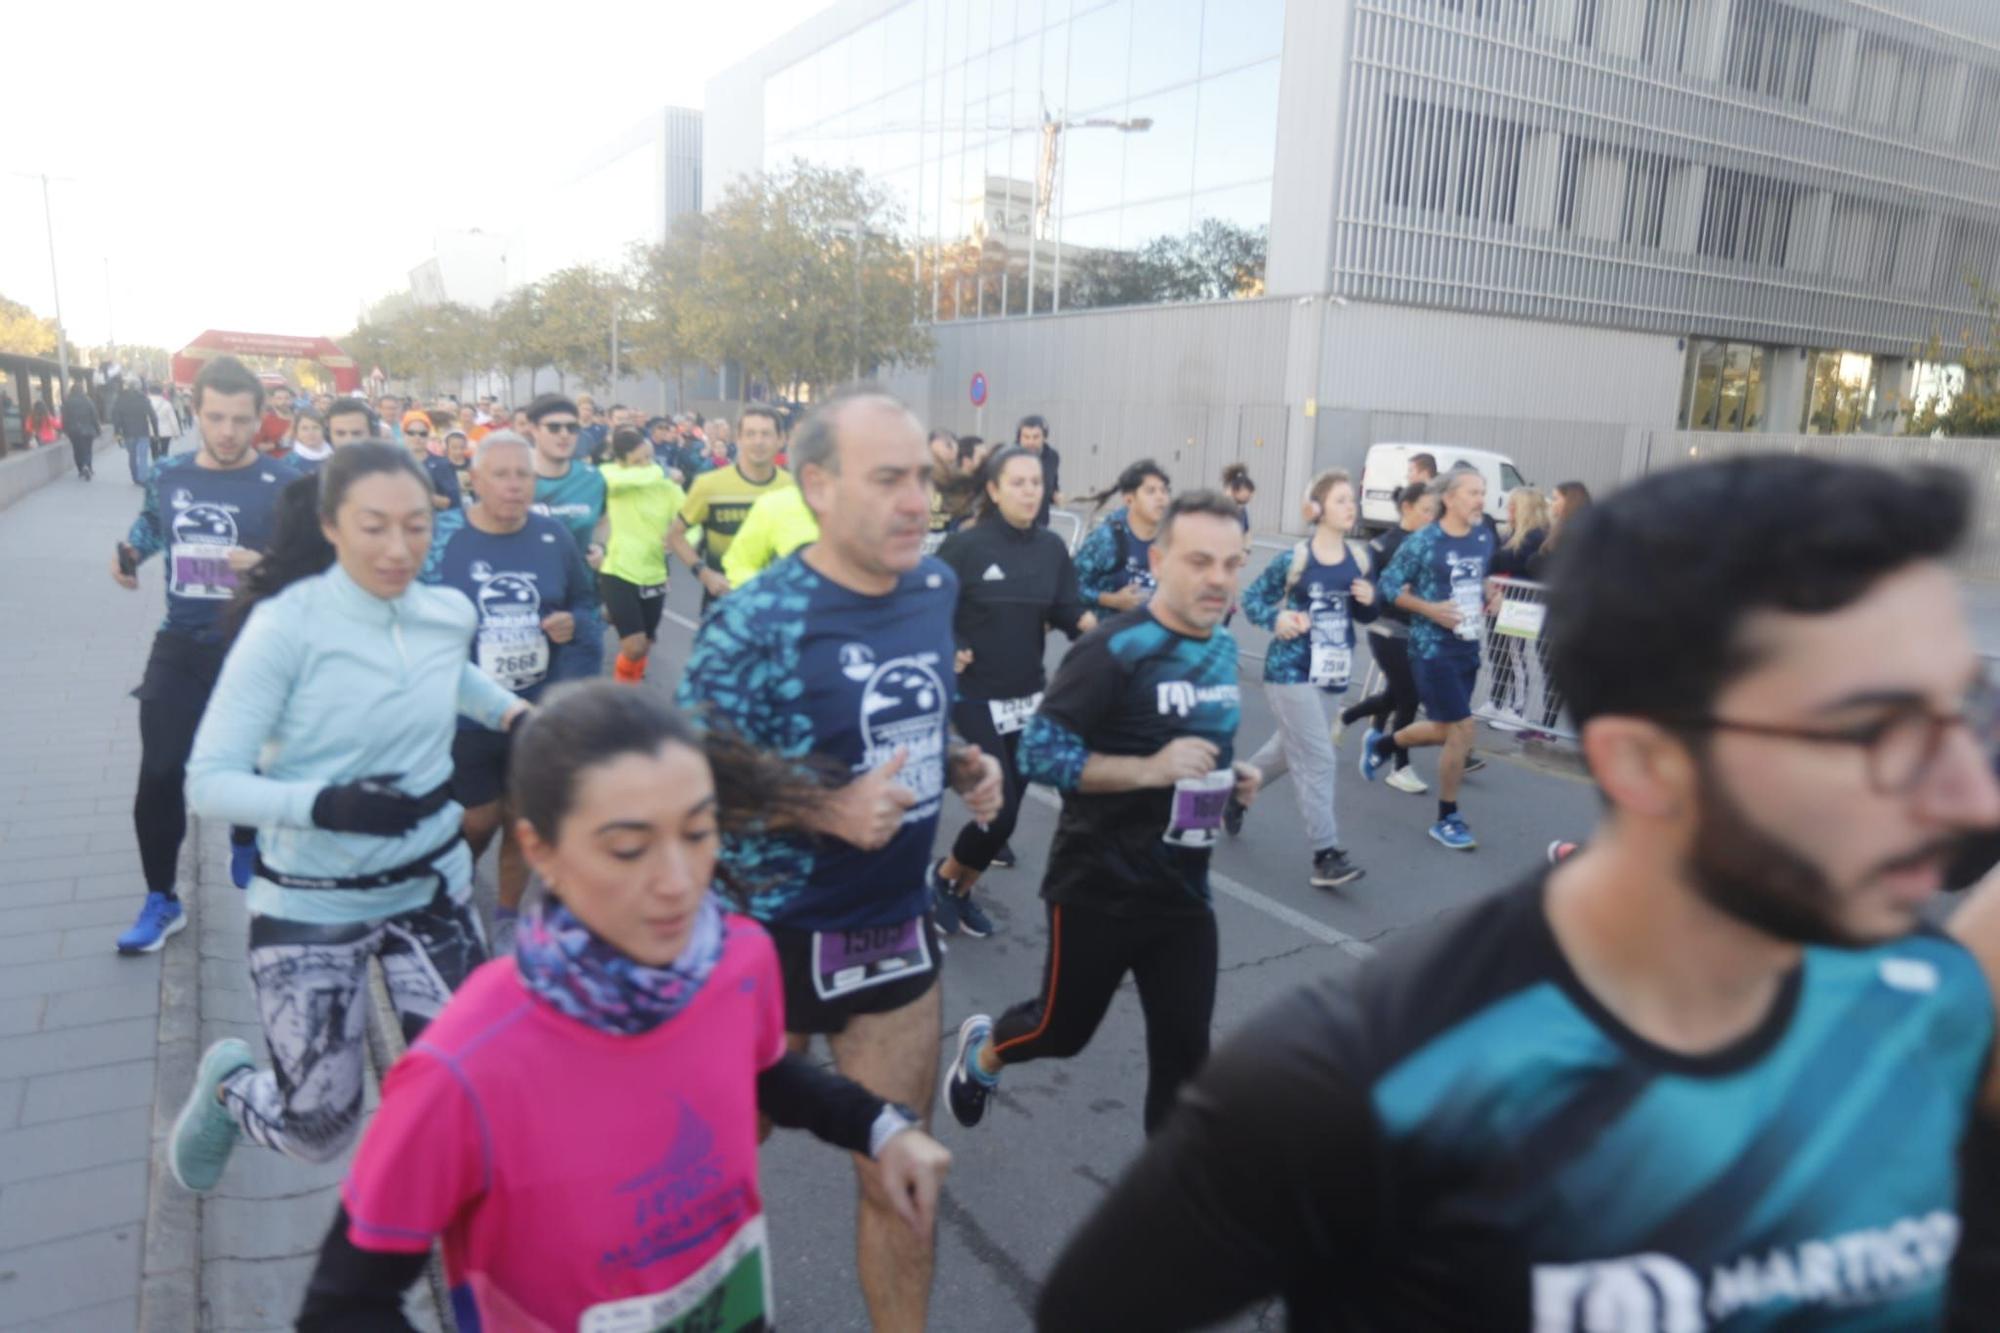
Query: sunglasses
pixel 562 427
pixel 420 434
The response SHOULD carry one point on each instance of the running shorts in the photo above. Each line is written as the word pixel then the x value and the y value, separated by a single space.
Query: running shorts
pixel 632 609
pixel 479 766
pixel 1445 685
pixel 832 975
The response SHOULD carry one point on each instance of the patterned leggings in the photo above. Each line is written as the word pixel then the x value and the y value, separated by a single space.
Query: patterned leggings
pixel 310 982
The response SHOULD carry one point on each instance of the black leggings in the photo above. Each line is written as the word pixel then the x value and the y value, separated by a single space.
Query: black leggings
pixel 1172 959
pixel 976 847
pixel 180 675
pixel 80 449
pixel 1397 703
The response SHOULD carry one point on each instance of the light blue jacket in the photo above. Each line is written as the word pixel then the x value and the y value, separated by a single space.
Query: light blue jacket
pixel 326 684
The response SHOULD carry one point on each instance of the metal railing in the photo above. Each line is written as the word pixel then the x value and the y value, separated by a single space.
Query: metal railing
pixel 1516 690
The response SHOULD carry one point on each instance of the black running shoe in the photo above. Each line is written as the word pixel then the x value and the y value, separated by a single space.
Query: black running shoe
pixel 1004 858
pixel 965 1092
pixel 1232 817
pixel 1331 869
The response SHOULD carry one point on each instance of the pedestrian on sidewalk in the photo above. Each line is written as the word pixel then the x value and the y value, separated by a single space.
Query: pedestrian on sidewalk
pixel 332 735
pixel 132 420
pixel 80 422
pixel 166 421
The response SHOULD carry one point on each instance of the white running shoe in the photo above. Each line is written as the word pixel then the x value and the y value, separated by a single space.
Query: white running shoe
pixel 1406 779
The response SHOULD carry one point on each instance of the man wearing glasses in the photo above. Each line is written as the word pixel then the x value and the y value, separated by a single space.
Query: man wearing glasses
pixel 572 492
pixel 445 493
pixel 1713 1070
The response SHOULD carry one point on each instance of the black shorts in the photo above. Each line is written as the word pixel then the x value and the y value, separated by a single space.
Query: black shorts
pixel 633 609
pixel 807 1011
pixel 479 766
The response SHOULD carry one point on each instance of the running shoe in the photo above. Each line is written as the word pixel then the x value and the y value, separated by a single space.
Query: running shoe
pixel 1409 780
pixel 1560 851
pixel 1331 869
pixel 1451 832
pixel 242 862
pixel 1372 754
pixel 1232 817
pixel 1504 718
pixel 160 917
pixel 966 1086
pixel 972 918
pixel 1004 858
pixel 1473 763
pixel 204 1132
pixel 944 903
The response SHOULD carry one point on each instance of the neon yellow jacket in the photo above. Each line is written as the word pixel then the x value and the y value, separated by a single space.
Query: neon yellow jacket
pixel 642 502
pixel 777 525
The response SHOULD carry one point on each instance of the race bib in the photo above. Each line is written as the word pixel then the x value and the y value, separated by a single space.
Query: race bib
pixel 731 1293
pixel 1469 596
pixel 1332 660
pixel 201 570
pixel 846 961
pixel 1010 715
pixel 515 653
pixel 1196 817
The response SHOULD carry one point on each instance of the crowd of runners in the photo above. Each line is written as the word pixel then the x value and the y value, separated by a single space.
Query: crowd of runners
pixel 1712 1070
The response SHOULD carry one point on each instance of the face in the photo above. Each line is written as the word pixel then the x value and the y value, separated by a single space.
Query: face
pixel 643 456
pixel 1417 472
pixel 347 428
pixel 875 509
pixel 619 418
pixel 418 436
pixel 586 411
pixel 456 449
pixel 1465 501
pixel 1018 491
pixel 663 433
pixel 321 402
pixel 555 436
pixel 759 443
pixel 1198 564
pixel 1337 509
pixel 382 531
pixel 1242 495
pixel 1033 438
pixel 635 854
pixel 281 400
pixel 1421 514
pixel 1556 504
pixel 720 431
pixel 309 433
pixel 389 409
pixel 1149 502
pixel 229 425
pixel 944 455
pixel 1792 836
pixel 520 423
pixel 466 416
pixel 503 476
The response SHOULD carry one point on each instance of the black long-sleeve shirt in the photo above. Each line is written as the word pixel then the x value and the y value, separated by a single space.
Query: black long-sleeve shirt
pixel 1012 584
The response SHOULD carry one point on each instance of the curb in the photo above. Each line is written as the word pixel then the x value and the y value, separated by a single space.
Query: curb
pixel 170 1274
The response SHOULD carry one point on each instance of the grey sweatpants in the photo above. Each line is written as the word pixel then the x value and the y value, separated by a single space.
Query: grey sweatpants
pixel 1303 745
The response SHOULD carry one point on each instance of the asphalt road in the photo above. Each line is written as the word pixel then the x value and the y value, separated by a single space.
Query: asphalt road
pixel 1061 1132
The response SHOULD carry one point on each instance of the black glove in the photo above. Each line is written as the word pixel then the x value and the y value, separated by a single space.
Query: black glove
pixel 368 805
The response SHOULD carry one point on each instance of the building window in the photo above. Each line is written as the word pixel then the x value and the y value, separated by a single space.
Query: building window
pixel 1723 389
pixel 1840 393
pixel 1772 48
pixel 1746 218
pixel 1441 160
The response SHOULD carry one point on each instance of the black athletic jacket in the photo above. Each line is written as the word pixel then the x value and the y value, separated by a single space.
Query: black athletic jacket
pixel 1011 585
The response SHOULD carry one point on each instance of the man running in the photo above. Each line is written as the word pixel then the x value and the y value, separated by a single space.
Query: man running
pixel 347 422
pixel 1137 732
pixel 1711 1071
pixel 718 501
pixel 209 514
pixel 841 655
pixel 566 489
pixel 533 592
pixel 1439 577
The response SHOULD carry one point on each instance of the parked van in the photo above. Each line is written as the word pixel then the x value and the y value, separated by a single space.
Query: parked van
pixel 1388 468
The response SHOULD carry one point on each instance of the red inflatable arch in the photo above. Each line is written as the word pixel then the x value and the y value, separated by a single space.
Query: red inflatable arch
pixel 218 342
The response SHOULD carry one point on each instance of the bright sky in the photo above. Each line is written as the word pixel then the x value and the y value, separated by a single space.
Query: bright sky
pixel 275 167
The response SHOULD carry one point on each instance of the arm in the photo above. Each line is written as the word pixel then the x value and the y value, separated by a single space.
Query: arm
pixel 358 1291
pixel 795 1093
pixel 251 695
pixel 443 528
pixel 1095 565
pixel 483 700
pixel 1070 611
pixel 751 549
pixel 1055 748
pixel 147 535
pixel 1265 598
pixel 583 656
pixel 447 494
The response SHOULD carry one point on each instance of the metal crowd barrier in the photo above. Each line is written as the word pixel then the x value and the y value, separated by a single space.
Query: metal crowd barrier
pixel 1063 518
pixel 1516 690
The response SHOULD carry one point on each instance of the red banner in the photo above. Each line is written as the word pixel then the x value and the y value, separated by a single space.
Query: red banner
pixel 222 342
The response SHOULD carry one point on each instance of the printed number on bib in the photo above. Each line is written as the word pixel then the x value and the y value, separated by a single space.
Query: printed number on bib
pixel 514 653
pixel 1469 596
pixel 1197 809
pixel 201 570
pixel 846 961
pixel 1332 659
pixel 731 1293
pixel 1010 715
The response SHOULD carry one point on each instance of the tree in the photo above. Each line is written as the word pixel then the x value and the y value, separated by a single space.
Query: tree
pixel 520 338
pixel 575 305
pixel 1970 406
pixel 668 325
pixel 1216 261
pixel 25 333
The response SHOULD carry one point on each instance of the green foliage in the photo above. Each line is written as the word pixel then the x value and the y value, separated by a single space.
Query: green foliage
pixel 1973 410
pixel 1216 261
pixel 25 333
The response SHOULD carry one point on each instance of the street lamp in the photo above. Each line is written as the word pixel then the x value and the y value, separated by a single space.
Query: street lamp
pixel 48 225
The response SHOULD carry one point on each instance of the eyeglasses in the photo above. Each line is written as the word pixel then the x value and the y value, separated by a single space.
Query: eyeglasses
pixel 420 434
pixel 562 427
pixel 1902 748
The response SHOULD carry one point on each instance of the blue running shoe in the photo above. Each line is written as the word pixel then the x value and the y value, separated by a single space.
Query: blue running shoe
pixel 242 863
pixel 972 918
pixel 966 1086
pixel 1451 832
pixel 944 903
pixel 160 917
pixel 204 1132
pixel 1371 758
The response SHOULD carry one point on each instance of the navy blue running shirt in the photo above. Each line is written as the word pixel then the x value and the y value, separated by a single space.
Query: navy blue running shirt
pixel 799 665
pixel 193 517
pixel 515 580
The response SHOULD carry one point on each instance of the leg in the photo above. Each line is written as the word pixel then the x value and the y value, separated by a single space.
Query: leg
pixel 893 1055
pixel 159 806
pixel 1087 959
pixel 1451 768
pixel 481 823
pixel 1308 752
pixel 513 880
pixel 426 955
pixel 973 851
pixel 1394 654
pixel 1419 734
pixel 1175 973
pixel 1270 757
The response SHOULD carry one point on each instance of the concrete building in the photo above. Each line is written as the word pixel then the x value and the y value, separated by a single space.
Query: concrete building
pixel 1565 228
pixel 627 189
pixel 467 268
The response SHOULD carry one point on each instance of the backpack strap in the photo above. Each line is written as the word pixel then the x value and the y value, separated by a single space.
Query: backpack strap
pixel 1301 553
pixel 1364 558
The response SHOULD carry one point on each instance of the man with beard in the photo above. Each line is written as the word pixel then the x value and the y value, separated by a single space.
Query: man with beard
pixel 1712 1070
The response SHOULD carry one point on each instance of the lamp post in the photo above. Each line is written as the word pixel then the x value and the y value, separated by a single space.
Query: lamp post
pixel 48 225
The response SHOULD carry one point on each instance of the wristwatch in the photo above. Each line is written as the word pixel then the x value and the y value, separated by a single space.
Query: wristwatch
pixel 892 1120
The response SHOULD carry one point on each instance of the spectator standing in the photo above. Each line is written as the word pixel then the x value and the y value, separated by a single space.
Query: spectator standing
pixel 81 423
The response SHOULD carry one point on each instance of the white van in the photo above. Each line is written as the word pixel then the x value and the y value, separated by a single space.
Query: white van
pixel 1388 469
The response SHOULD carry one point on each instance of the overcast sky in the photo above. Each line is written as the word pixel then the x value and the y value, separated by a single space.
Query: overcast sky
pixel 274 167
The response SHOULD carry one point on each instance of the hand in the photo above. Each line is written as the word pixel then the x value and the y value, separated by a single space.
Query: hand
pixel 367 805
pixel 118 575
pixel 1124 599
pixel 1086 622
pixel 560 626
pixel 869 810
pixel 913 1167
pixel 242 559
pixel 1249 781
pixel 516 713
pixel 1182 758
pixel 594 556
pixel 1291 624
pixel 714 582
pixel 976 778
pixel 1362 591
pixel 1444 613
pixel 960 660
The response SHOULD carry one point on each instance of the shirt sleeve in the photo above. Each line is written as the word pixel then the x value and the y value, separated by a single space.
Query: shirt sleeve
pixel 1053 747
pixel 1265 597
pixel 444 527
pixel 1405 569
pixel 583 656
pixel 1096 562
pixel 250 695
pixel 424 1158
pixel 147 535
pixel 736 676
pixel 694 511
pixel 752 549
pixel 484 700
pixel 1262 1182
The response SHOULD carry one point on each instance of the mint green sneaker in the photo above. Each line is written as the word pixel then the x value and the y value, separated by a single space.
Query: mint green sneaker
pixel 204 1131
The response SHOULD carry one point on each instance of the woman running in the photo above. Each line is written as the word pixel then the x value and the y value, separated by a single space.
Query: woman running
pixel 641 501
pixel 1015 579
pixel 1309 598
pixel 1114 565
pixel 580 1125
pixel 330 732
pixel 1395 705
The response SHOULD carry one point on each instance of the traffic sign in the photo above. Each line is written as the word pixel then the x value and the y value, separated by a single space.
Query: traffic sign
pixel 979 388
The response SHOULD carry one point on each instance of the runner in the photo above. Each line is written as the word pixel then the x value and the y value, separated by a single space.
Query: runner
pixel 1310 598
pixel 1113 566
pixel 1014 581
pixel 1240 486
pixel 1137 733
pixel 719 500
pixel 348 422
pixel 276 427
pixel 778 524
pixel 566 488
pixel 208 514
pixel 458 453
pixel 389 417
pixel 525 577
pixel 1395 706
pixel 643 501
pixel 1710 1072
pixel 1032 434
pixel 309 447
pixel 332 735
pixel 840 656
pixel 591 431
pixel 632 972
pixel 1439 576
pixel 436 468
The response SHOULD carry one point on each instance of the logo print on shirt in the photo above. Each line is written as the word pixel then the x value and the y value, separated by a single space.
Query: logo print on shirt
pixel 993 574
pixel 508 596
pixel 204 524
pixel 857 661
pixel 902 707
pixel 1182 697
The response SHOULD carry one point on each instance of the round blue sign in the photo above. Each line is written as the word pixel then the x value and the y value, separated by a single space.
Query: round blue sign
pixel 979 388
